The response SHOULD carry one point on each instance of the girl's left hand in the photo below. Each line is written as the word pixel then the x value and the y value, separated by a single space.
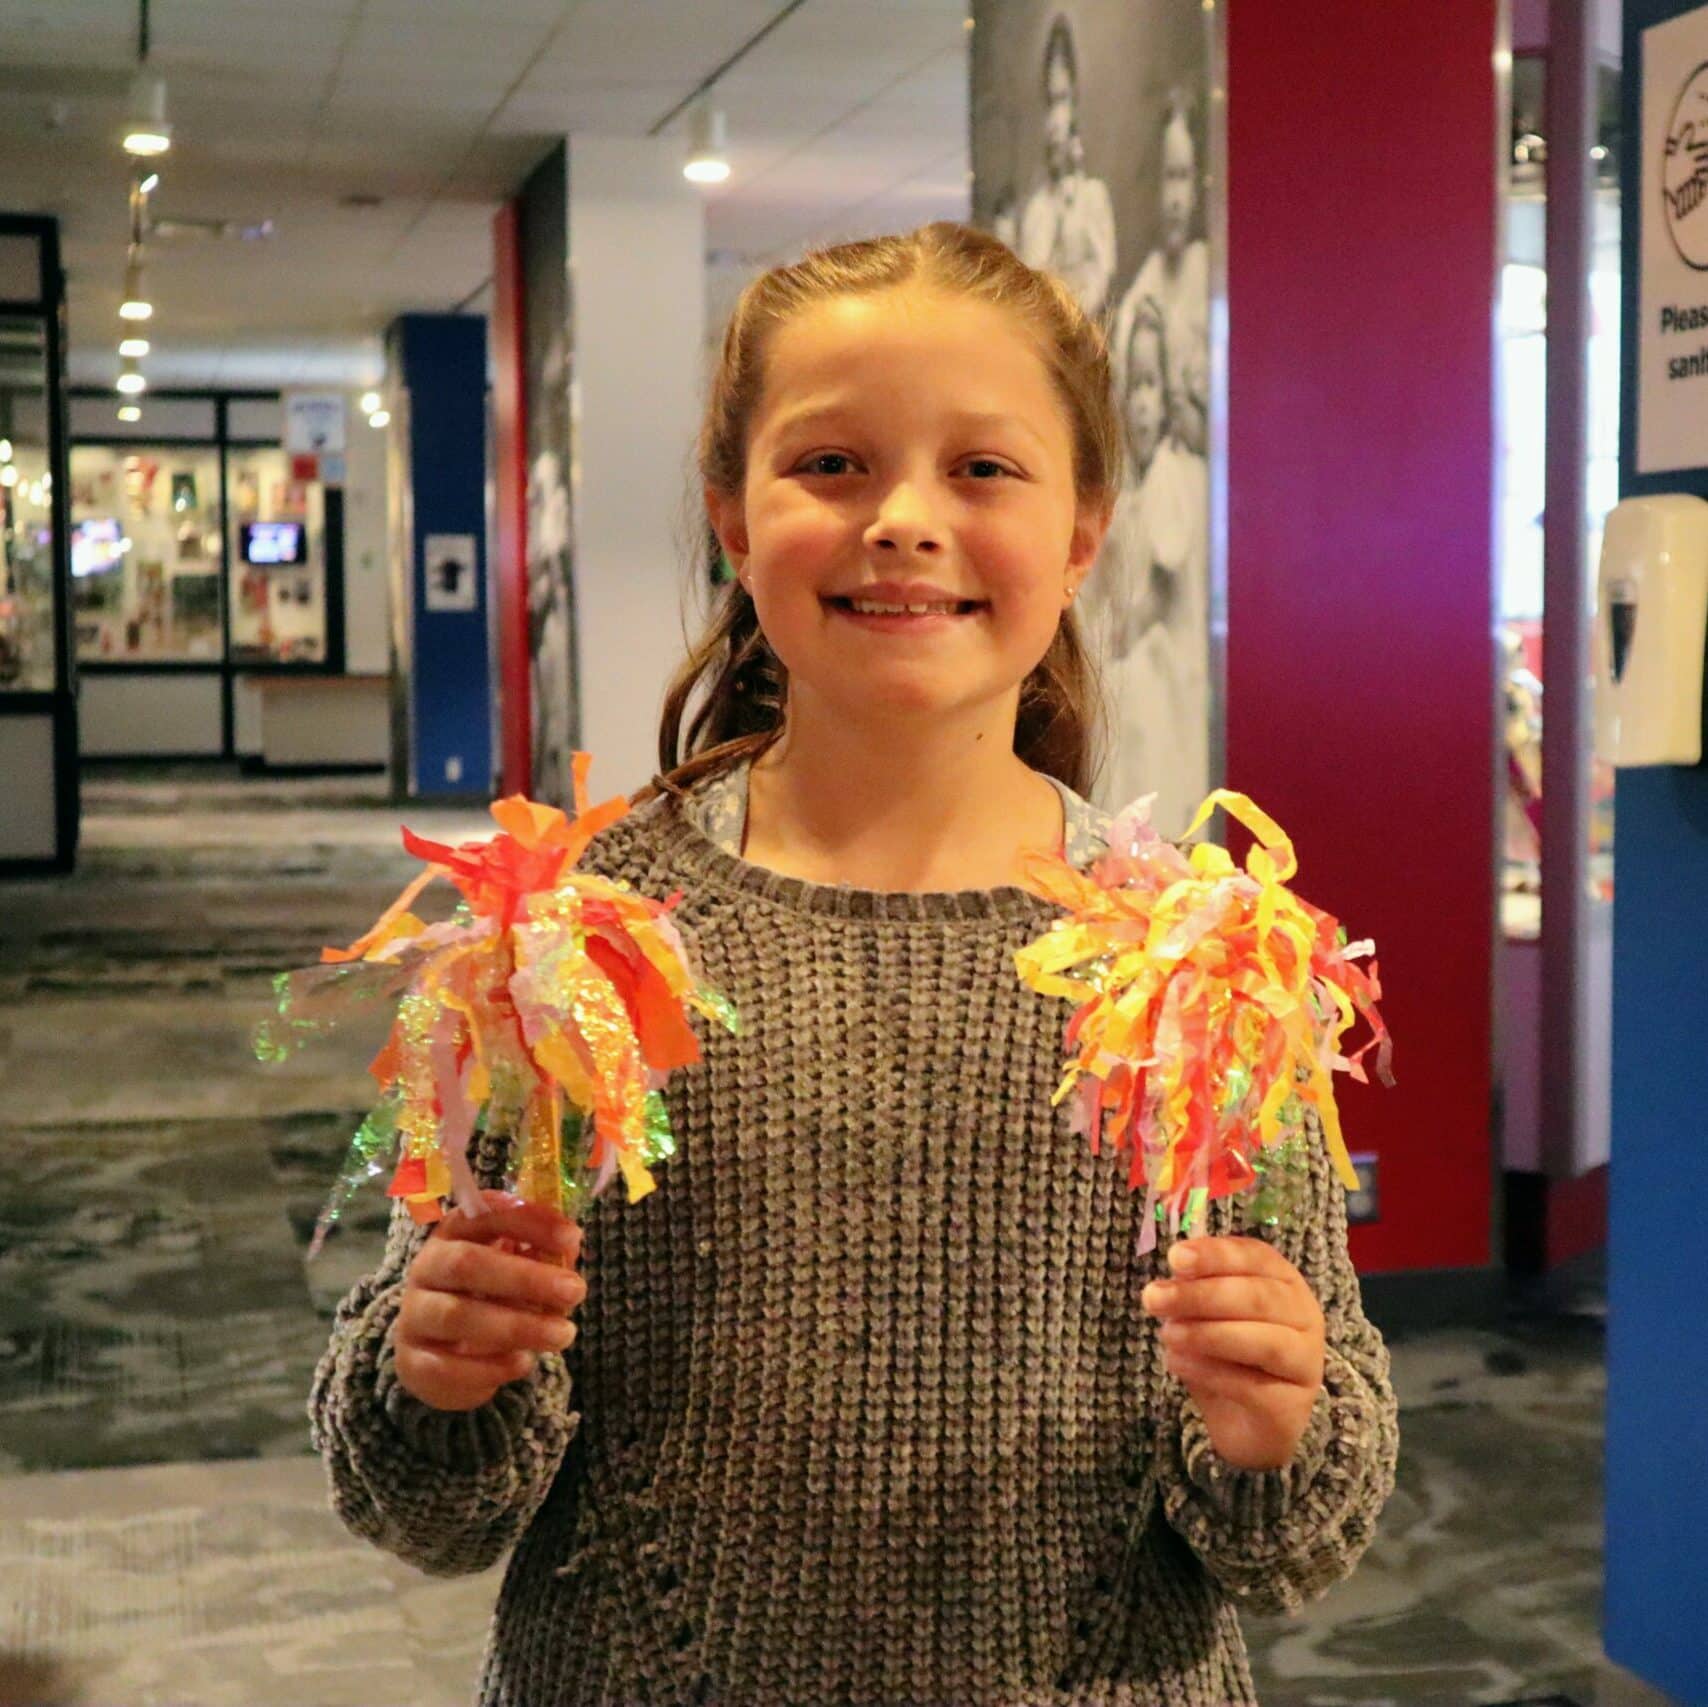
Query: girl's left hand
pixel 1242 1330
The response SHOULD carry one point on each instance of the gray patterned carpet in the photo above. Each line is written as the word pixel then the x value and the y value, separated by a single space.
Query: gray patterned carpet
pixel 162 1531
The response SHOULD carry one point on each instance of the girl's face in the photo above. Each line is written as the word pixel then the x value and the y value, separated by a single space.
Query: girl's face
pixel 909 450
pixel 1144 402
pixel 1179 185
pixel 1060 97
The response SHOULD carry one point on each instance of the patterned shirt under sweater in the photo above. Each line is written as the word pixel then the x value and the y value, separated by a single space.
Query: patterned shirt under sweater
pixel 863 1407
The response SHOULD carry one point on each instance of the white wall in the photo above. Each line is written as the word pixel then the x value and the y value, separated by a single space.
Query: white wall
pixel 133 715
pixel 28 827
pixel 367 638
pixel 637 279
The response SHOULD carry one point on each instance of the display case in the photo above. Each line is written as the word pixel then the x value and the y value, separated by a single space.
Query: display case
pixel 146 553
pixel 278 577
pixel 38 708
pixel 201 562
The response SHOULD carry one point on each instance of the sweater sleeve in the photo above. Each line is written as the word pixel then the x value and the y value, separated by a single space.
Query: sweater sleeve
pixel 446 1491
pixel 1275 1539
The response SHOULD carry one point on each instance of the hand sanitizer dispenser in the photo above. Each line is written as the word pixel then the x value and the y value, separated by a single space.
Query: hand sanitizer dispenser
pixel 1651 632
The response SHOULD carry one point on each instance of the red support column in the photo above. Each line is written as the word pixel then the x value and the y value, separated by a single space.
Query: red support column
pixel 1362 232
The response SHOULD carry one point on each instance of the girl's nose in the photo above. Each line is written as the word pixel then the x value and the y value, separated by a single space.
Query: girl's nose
pixel 904 526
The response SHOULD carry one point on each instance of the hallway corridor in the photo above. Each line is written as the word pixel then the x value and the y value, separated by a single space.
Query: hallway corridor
pixel 163 1529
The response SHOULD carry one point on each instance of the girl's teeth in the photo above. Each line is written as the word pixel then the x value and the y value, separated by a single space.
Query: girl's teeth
pixel 867 607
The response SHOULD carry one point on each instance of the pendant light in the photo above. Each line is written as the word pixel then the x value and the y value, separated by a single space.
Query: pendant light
pixel 708 143
pixel 136 305
pixel 147 133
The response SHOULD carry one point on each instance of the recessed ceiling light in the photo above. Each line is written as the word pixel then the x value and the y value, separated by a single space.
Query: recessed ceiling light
pixel 129 412
pixel 133 347
pixel 380 418
pixel 370 402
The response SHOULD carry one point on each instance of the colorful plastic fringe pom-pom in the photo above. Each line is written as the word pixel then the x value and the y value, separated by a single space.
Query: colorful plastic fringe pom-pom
pixel 552 1006
pixel 1212 1007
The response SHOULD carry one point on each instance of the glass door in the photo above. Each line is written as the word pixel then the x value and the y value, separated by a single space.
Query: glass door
pixel 38 707
pixel 29 593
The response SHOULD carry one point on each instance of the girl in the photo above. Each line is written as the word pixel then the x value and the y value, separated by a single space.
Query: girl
pixel 872 1400
pixel 1153 586
pixel 1068 225
pixel 1175 280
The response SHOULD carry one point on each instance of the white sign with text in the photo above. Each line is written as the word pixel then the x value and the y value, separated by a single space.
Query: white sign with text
pixel 1672 335
pixel 314 423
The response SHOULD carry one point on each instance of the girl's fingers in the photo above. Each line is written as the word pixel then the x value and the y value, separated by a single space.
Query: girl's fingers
pixel 508 1218
pixel 1232 1381
pixel 1284 1353
pixel 484 1271
pixel 481 1326
pixel 1230 1298
pixel 451 1380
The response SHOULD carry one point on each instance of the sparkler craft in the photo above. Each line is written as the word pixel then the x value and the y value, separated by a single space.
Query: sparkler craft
pixel 551 1007
pixel 1212 1004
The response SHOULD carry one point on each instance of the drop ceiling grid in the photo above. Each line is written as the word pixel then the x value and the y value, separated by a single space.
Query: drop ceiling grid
pixel 849 110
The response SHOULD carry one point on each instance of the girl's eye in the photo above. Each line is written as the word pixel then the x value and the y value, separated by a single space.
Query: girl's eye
pixel 986 468
pixel 827 462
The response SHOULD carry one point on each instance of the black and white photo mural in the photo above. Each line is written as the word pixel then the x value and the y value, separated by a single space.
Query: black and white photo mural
pixel 1090 158
pixel 543 241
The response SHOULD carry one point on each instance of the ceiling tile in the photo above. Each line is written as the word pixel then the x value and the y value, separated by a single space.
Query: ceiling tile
pixel 850 113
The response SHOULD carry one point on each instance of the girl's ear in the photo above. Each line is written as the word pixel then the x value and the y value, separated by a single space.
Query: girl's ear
pixel 1091 523
pixel 729 523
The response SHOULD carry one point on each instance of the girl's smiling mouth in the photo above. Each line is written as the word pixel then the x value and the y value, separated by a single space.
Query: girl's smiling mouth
pixel 903 605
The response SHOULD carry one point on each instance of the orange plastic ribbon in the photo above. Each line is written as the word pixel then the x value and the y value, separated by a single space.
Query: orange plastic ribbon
pixel 1212 1004
pixel 555 991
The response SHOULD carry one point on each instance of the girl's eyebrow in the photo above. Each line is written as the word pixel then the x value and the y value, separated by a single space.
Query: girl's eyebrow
pixel 811 414
pixel 808 415
pixel 986 421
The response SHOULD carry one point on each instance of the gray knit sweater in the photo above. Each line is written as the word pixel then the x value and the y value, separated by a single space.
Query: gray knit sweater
pixel 864 1407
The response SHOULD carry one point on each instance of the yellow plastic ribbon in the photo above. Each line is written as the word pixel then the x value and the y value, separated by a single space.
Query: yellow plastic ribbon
pixel 1211 1003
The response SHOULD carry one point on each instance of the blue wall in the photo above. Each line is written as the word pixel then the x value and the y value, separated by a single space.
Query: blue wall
pixel 1657 1352
pixel 441 359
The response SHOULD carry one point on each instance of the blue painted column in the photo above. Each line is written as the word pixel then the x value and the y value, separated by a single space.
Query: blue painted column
pixel 443 710
pixel 1657 1350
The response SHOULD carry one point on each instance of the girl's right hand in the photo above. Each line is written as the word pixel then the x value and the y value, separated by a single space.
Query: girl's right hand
pixel 483 1298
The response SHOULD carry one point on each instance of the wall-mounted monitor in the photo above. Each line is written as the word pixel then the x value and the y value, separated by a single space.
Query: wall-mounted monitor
pixel 274 544
pixel 97 545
